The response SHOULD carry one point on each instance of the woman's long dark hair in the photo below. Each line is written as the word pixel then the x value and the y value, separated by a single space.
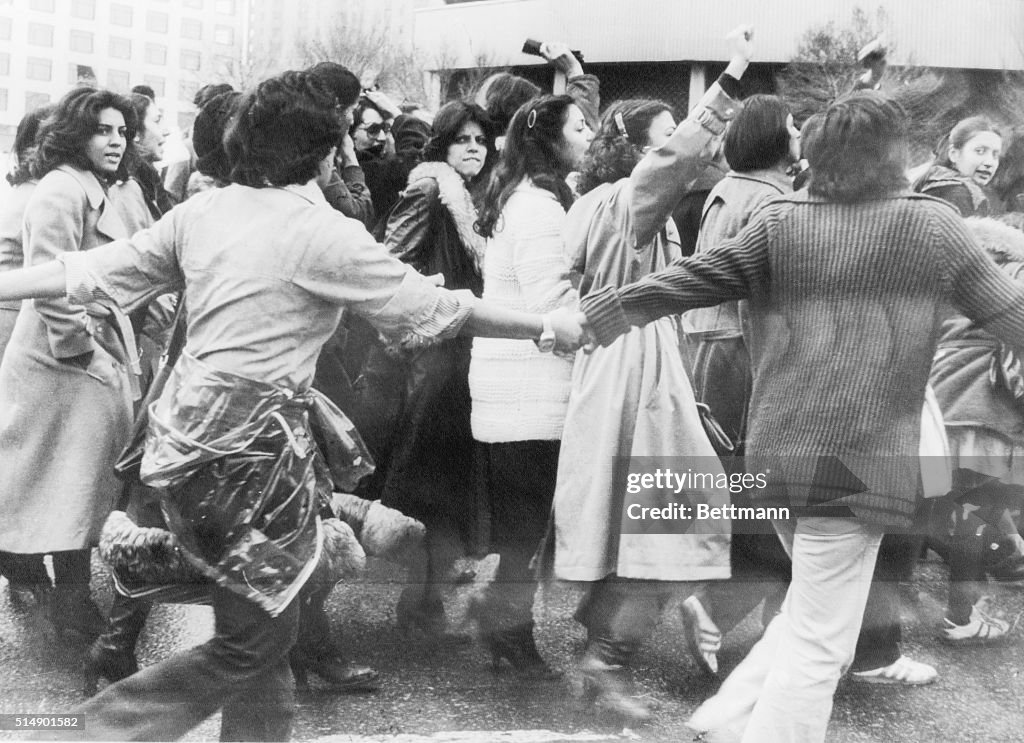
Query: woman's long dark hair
pixel 448 121
pixel 64 134
pixel 613 154
pixel 280 132
pixel 859 151
pixel 25 144
pixel 534 149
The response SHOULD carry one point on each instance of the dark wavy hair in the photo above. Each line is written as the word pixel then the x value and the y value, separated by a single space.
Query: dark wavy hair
pixel 364 104
pixel 208 135
pixel 502 94
pixel 758 137
pixel 859 152
pixel 338 79
pixel 281 131
pixel 64 134
pixel 611 155
pixel 25 144
pixel 448 121
pixel 533 149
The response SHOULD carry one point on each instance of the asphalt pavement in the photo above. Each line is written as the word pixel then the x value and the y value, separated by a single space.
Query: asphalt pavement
pixel 432 694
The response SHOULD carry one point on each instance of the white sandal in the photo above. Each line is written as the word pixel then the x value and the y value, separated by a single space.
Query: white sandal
pixel 904 672
pixel 703 638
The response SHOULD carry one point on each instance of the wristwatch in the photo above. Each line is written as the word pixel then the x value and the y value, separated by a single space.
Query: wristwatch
pixel 546 342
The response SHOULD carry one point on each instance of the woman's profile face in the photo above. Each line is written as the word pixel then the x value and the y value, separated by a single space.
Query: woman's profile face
pixel 978 159
pixel 468 150
pixel 105 148
pixel 660 130
pixel 150 141
pixel 576 136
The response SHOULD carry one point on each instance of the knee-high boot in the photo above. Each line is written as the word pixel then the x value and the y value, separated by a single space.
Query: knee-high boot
pixel 112 654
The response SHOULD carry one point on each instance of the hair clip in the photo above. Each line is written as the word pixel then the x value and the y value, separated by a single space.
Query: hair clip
pixel 620 124
pixel 531 118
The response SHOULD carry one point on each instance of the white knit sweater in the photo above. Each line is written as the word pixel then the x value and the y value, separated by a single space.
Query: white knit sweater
pixel 519 393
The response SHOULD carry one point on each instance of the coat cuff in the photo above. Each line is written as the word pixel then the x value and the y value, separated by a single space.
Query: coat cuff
pixel 716 108
pixel 605 315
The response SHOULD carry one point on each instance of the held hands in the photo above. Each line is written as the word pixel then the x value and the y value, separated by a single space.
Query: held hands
pixel 571 331
pixel 560 56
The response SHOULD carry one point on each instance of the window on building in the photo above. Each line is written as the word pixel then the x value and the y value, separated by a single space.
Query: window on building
pixel 3 99
pixel 35 100
pixel 225 7
pixel 187 90
pixel 224 35
pixel 156 21
pixel 47 5
pixel 158 84
pixel 38 69
pixel 83 9
pixel 120 48
pixel 190 60
pixel 191 28
pixel 121 15
pixel 80 41
pixel 5 28
pixel 156 54
pixel 40 34
pixel 193 4
pixel 5 63
pixel 118 80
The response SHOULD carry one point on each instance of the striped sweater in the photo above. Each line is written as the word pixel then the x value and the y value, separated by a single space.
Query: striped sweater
pixel 846 303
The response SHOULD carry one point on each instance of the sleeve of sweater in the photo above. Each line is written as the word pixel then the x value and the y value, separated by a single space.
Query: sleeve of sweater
pixel 540 265
pixel 730 270
pixel 981 290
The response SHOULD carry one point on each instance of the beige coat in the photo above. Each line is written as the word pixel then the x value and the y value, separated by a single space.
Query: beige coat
pixel 62 426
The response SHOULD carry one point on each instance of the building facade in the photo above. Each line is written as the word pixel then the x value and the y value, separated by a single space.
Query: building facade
pixel 174 46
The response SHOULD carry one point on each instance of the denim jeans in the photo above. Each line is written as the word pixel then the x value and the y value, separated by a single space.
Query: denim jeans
pixel 243 671
pixel 782 691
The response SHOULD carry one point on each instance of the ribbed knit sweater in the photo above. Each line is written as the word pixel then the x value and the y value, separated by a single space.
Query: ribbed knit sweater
pixel 519 393
pixel 846 303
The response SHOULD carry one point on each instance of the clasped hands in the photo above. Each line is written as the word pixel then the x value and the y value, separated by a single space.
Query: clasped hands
pixel 572 331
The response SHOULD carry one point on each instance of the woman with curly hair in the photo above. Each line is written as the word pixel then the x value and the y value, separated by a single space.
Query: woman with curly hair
pixel 431 228
pixel 633 398
pixel 519 389
pixel 65 383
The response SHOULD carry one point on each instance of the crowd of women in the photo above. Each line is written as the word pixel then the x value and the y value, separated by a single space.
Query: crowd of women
pixel 527 333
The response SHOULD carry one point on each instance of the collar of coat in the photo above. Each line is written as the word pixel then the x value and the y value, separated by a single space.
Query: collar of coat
pixel 94 190
pixel 456 199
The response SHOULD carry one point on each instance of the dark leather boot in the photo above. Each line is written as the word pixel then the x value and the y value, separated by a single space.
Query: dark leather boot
pixel 512 643
pixel 73 615
pixel 112 655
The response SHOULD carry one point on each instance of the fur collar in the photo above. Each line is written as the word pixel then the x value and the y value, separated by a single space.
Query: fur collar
pixel 456 199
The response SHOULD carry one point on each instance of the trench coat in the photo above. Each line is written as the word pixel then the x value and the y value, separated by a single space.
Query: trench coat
pixel 63 424
pixel 632 399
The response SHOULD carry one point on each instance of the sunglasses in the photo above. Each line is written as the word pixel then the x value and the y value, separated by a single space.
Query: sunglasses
pixel 372 130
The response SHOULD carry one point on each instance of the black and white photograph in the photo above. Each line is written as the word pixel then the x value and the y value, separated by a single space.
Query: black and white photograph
pixel 512 371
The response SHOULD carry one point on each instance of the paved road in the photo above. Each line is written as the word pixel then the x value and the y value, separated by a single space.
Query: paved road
pixel 432 695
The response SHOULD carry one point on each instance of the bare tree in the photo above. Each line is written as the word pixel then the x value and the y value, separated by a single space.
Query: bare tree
pixel 373 55
pixel 825 66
